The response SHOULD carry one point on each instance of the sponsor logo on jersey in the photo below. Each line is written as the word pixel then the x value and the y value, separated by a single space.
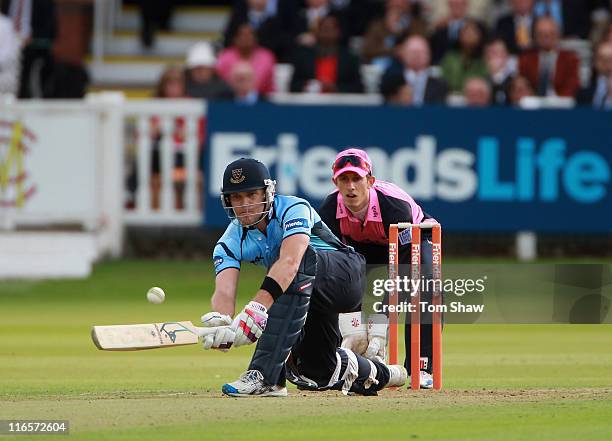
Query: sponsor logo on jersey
pixel 295 223
pixel 218 260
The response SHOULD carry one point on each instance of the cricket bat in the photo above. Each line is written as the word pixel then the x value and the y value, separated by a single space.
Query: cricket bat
pixel 147 336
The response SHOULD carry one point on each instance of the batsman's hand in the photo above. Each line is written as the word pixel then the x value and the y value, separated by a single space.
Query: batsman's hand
pixel 354 332
pixel 377 336
pixel 223 338
pixel 250 323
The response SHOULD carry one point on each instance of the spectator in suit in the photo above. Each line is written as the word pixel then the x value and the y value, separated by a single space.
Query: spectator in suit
pixel 201 79
pixel 599 92
pixel 272 20
pixel 550 70
pixel 356 14
pixel 328 67
pixel 242 82
pixel 572 16
pixel 516 28
pixel 465 61
pixel 414 58
pixel 154 14
pixel 477 92
pixel 9 57
pixel 396 91
pixel 446 35
pixel 382 32
pixel 308 20
pixel 246 48
pixel 501 69
pixel 520 88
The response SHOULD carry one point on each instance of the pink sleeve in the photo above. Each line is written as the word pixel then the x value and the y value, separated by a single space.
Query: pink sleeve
pixel 268 62
pixel 224 64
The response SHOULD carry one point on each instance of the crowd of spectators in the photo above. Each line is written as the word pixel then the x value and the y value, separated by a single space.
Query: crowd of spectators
pixel 485 52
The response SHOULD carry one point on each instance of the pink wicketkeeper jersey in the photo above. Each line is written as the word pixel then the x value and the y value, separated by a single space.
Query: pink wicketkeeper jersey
pixel 389 204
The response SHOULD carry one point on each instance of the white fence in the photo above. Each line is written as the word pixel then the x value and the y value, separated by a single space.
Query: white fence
pixel 159 133
pixel 60 177
pixel 60 164
pixel 63 172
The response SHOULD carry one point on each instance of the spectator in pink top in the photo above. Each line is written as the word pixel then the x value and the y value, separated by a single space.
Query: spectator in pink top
pixel 246 48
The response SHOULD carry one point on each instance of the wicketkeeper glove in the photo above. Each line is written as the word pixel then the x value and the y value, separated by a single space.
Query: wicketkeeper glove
pixel 377 336
pixel 250 323
pixel 354 332
pixel 223 338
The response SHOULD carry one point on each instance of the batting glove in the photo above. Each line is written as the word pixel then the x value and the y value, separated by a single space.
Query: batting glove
pixel 250 323
pixel 377 336
pixel 223 338
pixel 354 332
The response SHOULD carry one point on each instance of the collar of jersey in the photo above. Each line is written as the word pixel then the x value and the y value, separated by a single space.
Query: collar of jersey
pixel 373 209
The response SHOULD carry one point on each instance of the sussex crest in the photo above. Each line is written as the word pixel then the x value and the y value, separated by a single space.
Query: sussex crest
pixel 237 176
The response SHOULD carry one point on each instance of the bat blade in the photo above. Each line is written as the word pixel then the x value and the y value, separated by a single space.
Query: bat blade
pixel 146 336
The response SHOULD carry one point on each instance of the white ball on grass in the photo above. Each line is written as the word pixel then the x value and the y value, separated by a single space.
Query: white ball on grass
pixel 156 295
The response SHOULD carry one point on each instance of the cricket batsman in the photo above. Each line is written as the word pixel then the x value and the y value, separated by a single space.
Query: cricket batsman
pixel 359 212
pixel 293 317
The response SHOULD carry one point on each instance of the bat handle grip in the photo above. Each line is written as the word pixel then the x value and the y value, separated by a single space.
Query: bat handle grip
pixel 204 331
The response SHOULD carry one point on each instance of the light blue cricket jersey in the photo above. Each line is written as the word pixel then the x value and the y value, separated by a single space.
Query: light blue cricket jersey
pixel 290 215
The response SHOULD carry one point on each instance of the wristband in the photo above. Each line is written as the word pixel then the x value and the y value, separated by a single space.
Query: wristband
pixel 272 286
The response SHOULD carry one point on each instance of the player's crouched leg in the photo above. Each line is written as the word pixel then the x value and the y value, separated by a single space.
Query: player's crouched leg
pixel 286 317
pixel 353 374
pixel 366 377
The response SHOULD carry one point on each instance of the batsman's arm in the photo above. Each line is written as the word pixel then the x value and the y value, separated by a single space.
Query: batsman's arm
pixel 286 267
pixel 224 297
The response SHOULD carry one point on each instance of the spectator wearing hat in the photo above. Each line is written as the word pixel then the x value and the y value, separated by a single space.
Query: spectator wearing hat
pixel 201 79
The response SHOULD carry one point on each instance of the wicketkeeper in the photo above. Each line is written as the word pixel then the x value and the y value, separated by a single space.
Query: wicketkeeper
pixel 359 212
pixel 293 317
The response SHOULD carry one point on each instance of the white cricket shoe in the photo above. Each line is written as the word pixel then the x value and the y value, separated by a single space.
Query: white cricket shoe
pixel 426 380
pixel 251 384
pixel 397 375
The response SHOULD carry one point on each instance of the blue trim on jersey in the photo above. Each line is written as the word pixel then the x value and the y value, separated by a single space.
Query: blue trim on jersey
pixel 292 215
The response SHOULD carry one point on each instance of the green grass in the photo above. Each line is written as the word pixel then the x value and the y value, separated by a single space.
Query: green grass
pixel 502 382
